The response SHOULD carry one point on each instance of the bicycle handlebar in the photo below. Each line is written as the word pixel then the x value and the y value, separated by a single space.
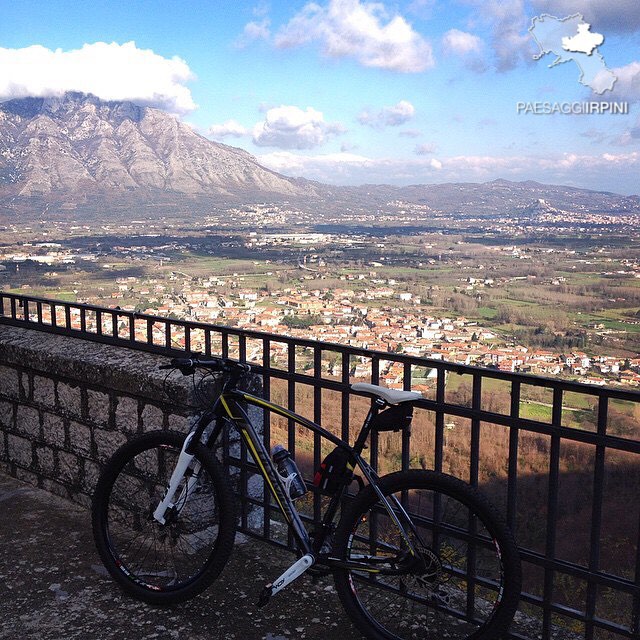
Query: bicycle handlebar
pixel 189 365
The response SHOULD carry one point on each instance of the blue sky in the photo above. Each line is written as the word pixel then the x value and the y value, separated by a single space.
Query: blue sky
pixel 349 91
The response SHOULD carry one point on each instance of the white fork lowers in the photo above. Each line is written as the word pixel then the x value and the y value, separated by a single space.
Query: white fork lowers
pixel 184 460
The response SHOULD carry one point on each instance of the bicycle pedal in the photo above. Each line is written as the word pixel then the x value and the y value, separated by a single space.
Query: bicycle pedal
pixel 265 596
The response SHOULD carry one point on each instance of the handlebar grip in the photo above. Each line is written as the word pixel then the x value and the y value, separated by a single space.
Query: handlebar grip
pixel 183 362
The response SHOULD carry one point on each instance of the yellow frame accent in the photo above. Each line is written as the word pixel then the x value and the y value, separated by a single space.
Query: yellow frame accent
pixel 256 457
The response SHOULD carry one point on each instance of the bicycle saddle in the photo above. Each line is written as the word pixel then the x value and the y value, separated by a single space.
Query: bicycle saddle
pixel 391 396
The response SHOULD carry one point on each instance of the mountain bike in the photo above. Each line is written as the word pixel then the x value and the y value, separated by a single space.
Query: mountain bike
pixel 414 554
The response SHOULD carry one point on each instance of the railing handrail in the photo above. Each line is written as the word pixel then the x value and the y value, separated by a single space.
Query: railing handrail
pixel 453 367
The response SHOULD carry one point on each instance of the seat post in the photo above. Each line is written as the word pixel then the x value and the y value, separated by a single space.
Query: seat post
pixel 377 403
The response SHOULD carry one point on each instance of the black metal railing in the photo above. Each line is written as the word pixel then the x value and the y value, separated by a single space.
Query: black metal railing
pixel 561 458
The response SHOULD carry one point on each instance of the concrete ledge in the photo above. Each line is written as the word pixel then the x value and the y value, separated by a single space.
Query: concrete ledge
pixel 67 404
pixel 56 356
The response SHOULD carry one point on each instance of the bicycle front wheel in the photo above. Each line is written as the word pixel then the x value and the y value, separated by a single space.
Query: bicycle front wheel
pixel 171 562
pixel 464 583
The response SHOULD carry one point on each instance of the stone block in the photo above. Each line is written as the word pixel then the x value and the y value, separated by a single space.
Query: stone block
pixel 69 399
pixel 179 423
pixel 46 461
pixel 6 415
pixel 91 475
pixel 68 468
pixel 82 499
pixel 53 430
pixel 107 442
pixel 28 421
pixel 255 487
pixel 20 450
pixel 127 415
pixel 9 382
pixel 56 488
pixel 99 404
pixel 80 439
pixel 27 476
pixel 255 519
pixel 3 446
pixel 44 391
pixel 152 418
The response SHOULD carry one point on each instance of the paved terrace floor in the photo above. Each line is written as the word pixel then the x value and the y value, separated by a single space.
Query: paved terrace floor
pixel 53 586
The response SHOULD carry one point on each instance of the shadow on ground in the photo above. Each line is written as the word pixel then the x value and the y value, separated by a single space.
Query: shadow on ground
pixel 53 586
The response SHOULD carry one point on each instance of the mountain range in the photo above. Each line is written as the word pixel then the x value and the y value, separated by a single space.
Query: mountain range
pixel 78 143
pixel 77 151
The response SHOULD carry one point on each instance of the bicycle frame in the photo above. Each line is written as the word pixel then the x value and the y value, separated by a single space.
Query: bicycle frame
pixel 166 549
pixel 229 408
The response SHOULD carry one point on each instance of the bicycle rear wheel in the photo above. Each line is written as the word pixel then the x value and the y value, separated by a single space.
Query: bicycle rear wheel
pixel 162 563
pixel 465 584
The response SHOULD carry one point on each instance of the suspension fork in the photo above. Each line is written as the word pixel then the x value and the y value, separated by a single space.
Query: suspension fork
pixel 188 450
pixel 185 460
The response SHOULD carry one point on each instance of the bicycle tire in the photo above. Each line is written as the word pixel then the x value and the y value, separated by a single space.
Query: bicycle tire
pixel 161 564
pixel 466 584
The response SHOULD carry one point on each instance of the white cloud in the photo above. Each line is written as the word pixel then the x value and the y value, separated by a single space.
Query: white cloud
pixel 289 127
pixel 627 86
pixel 426 149
pixel 509 21
pixel 629 137
pixel 361 30
pixel 467 46
pixel 110 71
pixel 350 168
pixel 612 172
pixel 293 163
pixel 410 133
pixel 261 9
pixel 393 116
pixel 255 30
pixel 605 16
pixel 229 128
pixel 461 43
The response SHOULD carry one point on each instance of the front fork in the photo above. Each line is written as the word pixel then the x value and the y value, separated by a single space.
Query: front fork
pixel 168 502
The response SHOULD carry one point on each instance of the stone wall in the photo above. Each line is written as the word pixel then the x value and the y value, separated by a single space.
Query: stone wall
pixel 67 404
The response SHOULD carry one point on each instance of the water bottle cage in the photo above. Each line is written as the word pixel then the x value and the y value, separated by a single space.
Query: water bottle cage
pixel 286 481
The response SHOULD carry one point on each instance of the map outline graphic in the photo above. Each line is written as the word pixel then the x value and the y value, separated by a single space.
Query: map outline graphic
pixel 570 39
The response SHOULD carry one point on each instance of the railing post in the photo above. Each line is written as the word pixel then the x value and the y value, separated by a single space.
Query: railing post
pixel 552 512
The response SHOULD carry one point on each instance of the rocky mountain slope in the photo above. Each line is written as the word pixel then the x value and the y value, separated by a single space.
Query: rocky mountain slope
pixel 79 153
pixel 78 144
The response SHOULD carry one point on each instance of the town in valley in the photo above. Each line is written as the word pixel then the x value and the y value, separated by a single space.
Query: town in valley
pixel 540 292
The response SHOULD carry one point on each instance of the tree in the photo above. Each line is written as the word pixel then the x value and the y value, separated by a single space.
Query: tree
pixel 300 322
